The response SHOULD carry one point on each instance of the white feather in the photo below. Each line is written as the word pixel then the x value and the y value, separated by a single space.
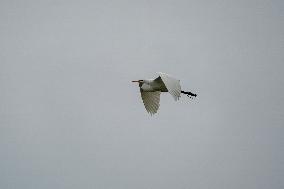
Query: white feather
pixel 151 101
pixel 172 84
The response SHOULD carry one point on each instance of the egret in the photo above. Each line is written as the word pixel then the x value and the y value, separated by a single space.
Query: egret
pixel 151 89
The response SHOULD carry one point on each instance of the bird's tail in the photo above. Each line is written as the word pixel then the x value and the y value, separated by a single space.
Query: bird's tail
pixel 189 94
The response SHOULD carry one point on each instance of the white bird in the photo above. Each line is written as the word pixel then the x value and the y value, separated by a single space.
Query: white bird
pixel 151 89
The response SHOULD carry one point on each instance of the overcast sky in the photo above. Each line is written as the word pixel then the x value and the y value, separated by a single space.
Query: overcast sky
pixel 70 117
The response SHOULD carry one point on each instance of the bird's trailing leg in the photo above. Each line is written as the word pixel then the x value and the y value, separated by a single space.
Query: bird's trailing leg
pixel 189 94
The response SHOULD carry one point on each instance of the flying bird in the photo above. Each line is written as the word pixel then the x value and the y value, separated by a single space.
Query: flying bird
pixel 151 89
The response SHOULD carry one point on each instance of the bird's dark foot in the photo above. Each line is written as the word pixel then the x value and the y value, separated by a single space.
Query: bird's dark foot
pixel 189 94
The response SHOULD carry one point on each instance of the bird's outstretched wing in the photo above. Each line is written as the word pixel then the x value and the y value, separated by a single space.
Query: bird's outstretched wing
pixel 151 101
pixel 172 84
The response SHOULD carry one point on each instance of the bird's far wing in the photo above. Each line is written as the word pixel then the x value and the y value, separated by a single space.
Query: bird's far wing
pixel 172 84
pixel 151 101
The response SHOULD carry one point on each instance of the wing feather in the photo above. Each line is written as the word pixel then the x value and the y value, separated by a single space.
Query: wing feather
pixel 172 84
pixel 151 101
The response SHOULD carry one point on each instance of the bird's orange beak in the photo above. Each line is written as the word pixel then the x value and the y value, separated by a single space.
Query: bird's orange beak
pixel 135 81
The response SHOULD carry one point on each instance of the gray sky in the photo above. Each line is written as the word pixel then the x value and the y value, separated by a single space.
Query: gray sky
pixel 71 118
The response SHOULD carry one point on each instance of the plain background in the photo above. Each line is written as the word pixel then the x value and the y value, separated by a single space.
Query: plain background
pixel 71 118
